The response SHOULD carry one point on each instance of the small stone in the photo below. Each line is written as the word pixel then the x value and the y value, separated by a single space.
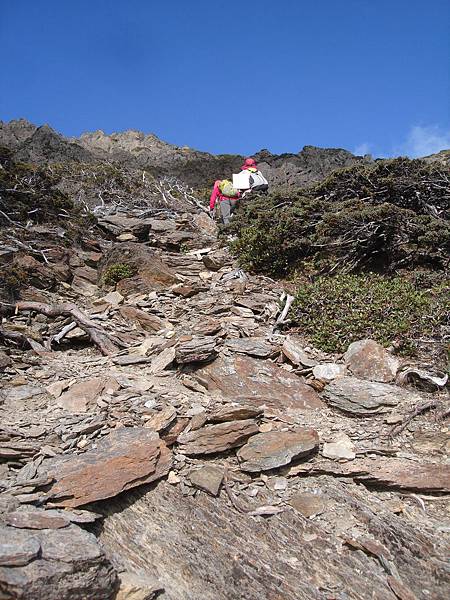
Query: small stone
pixel 328 371
pixel 208 478
pixel 173 478
pixel 35 519
pixel 341 447
pixel 265 427
pixel 308 504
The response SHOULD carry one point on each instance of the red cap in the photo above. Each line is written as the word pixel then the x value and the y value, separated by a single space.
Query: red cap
pixel 250 162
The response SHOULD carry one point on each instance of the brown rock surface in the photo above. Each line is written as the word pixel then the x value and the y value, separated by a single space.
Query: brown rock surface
pixel 274 449
pixel 369 360
pixel 81 395
pixel 207 478
pixel 147 321
pixel 216 438
pixel 251 381
pixel 124 459
pixel 184 542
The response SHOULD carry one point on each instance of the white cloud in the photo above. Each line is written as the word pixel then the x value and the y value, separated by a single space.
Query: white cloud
pixel 424 140
pixel 362 149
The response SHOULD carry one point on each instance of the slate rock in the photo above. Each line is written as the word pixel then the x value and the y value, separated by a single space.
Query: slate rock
pixel 138 587
pixel 235 412
pixel 308 504
pixel 252 346
pixel 247 380
pixel 5 360
pixel 199 349
pixel 17 548
pixel 276 448
pixel 368 359
pixel 63 564
pixel 216 438
pixel 359 397
pixel 35 519
pixel 147 321
pixel 124 459
pixel 293 350
pixel 207 478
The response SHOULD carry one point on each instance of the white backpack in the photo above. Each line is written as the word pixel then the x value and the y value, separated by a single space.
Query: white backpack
pixel 258 182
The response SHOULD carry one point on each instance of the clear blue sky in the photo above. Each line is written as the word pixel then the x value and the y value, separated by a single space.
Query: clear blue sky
pixel 228 76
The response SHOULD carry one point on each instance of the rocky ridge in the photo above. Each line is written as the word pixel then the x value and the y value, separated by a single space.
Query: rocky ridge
pixel 134 149
pixel 170 427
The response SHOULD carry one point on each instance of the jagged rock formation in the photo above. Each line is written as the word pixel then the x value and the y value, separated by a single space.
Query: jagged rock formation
pixel 135 149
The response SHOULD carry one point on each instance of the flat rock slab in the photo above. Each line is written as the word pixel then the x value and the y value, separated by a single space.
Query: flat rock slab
pixel 81 395
pixel 360 397
pixel 207 478
pixel 247 380
pixel 124 459
pixel 63 564
pixel 35 519
pixel 216 438
pixel 252 346
pixel 293 350
pixel 275 449
pixel 391 473
pixel 369 360
pixel 235 412
pixel 199 349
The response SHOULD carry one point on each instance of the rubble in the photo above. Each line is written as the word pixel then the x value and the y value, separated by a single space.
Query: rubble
pixel 248 436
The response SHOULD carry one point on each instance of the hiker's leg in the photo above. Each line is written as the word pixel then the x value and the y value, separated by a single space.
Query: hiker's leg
pixel 233 205
pixel 225 209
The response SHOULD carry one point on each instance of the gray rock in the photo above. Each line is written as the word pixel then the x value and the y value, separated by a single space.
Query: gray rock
pixel 63 564
pixel 207 478
pixel 359 397
pixel 252 346
pixel 275 449
pixel 328 371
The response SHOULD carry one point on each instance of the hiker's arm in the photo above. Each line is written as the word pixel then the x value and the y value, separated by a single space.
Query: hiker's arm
pixel 212 200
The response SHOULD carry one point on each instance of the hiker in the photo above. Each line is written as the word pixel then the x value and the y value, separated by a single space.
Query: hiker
pixel 224 193
pixel 250 178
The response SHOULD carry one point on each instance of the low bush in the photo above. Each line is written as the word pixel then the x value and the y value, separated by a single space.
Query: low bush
pixel 115 273
pixel 335 311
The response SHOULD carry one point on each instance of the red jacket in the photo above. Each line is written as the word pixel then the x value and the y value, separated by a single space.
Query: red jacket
pixel 216 193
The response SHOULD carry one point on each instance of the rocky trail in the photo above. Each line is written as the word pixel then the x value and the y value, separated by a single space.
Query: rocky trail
pixel 166 436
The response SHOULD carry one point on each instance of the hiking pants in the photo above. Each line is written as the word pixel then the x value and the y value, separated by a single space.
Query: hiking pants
pixel 226 209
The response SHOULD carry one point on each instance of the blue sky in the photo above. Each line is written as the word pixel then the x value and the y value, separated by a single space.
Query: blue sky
pixel 228 76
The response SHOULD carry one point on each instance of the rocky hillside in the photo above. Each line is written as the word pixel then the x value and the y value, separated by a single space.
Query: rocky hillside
pixel 165 431
pixel 133 149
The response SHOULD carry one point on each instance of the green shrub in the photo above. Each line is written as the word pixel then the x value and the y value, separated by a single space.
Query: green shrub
pixel 115 273
pixel 381 217
pixel 335 311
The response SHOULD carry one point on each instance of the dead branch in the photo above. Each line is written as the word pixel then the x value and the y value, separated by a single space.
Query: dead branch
pixel 98 335
pixel 420 408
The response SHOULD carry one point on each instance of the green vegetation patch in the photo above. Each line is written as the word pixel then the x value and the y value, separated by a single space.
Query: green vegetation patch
pixel 115 273
pixel 335 311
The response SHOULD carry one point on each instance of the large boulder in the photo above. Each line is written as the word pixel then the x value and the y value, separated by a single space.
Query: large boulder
pixel 151 272
pixel 360 397
pixel 368 359
pixel 247 380
pixel 124 459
